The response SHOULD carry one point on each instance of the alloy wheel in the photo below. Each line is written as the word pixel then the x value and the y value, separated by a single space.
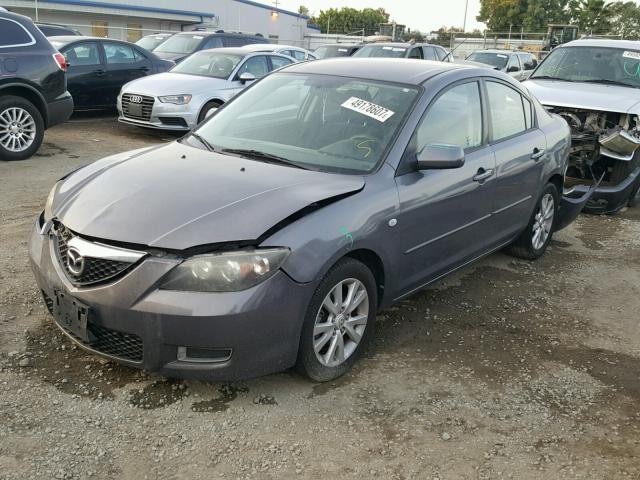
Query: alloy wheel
pixel 17 129
pixel 543 221
pixel 340 322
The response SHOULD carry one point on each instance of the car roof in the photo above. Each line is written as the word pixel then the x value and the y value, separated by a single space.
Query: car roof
pixel 79 38
pixel 263 47
pixel 601 42
pixel 401 44
pixel 207 33
pixel 237 51
pixel 343 45
pixel 498 50
pixel 400 70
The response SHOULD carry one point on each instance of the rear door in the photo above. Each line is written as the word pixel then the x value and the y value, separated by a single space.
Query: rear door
pixel 444 214
pixel 124 64
pixel 86 74
pixel 519 148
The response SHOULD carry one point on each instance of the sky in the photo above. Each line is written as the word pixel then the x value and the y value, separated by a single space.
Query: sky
pixel 423 15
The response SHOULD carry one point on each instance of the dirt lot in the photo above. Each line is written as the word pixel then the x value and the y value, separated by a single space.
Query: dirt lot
pixel 507 369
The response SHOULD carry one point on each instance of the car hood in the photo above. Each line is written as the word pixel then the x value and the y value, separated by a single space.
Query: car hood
pixel 176 196
pixel 173 84
pixel 588 96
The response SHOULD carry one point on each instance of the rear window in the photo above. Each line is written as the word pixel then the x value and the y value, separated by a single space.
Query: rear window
pixel 332 51
pixel 182 43
pixel 383 51
pixel 12 34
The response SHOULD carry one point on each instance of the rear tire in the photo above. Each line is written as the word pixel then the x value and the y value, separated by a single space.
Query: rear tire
pixel 534 240
pixel 208 109
pixel 21 128
pixel 337 329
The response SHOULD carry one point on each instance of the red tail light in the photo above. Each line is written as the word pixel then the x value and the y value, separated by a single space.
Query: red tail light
pixel 61 61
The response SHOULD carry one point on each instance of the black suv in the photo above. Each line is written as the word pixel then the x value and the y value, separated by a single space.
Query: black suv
pixel 180 46
pixel 33 87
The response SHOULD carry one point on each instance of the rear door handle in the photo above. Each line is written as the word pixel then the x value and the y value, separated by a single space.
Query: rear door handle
pixel 144 69
pixel 99 72
pixel 537 154
pixel 482 175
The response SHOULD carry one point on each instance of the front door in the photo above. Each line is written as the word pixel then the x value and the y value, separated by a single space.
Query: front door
pixel 444 213
pixel 519 147
pixel 124 64
pixel 85 74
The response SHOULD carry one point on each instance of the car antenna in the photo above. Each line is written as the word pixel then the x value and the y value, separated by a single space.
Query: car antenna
pixel 454 49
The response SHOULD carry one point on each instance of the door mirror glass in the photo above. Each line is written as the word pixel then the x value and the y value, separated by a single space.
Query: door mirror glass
pixel 246 77
pixel 438 156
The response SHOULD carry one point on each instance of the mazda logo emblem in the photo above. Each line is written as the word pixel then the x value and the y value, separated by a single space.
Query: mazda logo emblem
pixel 75 262
pixel 135 98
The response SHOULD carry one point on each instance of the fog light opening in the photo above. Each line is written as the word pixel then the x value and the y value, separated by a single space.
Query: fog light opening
pixel 204 355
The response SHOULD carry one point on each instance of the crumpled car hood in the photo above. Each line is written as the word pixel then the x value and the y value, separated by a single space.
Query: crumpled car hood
pixel 176 197
pixel 587 96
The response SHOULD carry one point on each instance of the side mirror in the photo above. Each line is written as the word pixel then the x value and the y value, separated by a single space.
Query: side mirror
pixel 246 77
pixel 513 68
pixel 439 157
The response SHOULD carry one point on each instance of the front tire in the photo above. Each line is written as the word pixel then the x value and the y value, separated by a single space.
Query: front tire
pixel 208 110
pixel 534 240
pixel 21 128
pixel 339 321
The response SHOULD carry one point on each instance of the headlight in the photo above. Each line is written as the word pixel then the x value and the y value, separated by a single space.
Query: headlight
pixel 177 99
pixel 49 203
pixel 225 272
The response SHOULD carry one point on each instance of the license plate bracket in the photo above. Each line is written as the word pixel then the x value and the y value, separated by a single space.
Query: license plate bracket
pixel 135 110
pixel 71 314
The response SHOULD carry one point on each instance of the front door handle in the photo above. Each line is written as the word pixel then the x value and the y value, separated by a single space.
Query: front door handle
pixel 482 175
pixel 144 69
pixel 537 154
pixel 99 72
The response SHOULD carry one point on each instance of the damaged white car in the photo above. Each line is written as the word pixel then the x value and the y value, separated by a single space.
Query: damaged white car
pixel 595 86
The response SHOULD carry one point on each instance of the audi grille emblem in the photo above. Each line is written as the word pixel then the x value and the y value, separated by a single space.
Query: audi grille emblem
pixel 75 262
pixel 135 98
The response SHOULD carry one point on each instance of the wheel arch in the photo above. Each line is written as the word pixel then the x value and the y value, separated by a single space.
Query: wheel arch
pixel 28 93
pixel 211 100
pixel 374 263
pixel 557 180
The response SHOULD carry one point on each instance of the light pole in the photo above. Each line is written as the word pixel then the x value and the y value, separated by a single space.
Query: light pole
pixel 464 22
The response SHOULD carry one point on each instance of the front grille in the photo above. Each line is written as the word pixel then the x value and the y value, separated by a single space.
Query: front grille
pixel 126 346
pixel 147 106
pixel 173 121
pixel 96 270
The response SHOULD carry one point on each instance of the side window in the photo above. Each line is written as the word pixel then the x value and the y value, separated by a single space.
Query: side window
pixel 298 55
pixel 139 55
pixel 278 62
pixel 257 66
pixel 233 42
pixel 12 34
pixel 118 53
pixel 430 53
pixel 415 53
pixel 529 62
pixel 507 112
pixel 213 42
pixel 441 53
pixel 85 53
pixel 455 118
pixel 514 64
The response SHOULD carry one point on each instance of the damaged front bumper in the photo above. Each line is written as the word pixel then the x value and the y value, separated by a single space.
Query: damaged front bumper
pixel 611 198
pixel 572 203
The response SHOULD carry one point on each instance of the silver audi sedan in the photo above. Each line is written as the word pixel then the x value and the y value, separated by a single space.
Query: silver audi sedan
pixel 192 90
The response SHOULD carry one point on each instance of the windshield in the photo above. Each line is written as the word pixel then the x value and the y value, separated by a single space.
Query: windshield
pixel 496 60
pixel 151 41
pixel 180 44
pixel 331 51
pixel 381 51
pixel 592 64
pixel 208 64
pixel 320 122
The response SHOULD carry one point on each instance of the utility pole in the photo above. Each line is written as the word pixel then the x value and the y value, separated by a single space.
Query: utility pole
pixel 36 10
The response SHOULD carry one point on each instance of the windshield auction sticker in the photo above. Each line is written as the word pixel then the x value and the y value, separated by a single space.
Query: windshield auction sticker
pixel 369 109
pixel 634 55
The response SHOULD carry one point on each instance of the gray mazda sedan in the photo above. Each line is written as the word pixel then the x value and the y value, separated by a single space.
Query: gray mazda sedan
pixel 271 235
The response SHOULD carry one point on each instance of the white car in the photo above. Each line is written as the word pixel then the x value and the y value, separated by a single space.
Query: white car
pixel 297 53
pixel 594 85
pixel 192 90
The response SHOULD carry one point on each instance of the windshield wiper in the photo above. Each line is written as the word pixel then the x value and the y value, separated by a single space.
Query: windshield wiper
pixel 549 77
pixel 263 156
pixel 609 82
pixel 203 141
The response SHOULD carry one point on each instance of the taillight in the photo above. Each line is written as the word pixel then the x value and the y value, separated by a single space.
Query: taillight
pixel 61 61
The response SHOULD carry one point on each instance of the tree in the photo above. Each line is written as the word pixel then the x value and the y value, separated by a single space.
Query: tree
pixel 416 35
pixel 303 10
pixel 540 13
pixel 347 20
pixel 499 15
pixel 591 16
pixel 625 20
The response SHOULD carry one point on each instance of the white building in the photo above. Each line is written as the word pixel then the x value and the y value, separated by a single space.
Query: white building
pixel 131 19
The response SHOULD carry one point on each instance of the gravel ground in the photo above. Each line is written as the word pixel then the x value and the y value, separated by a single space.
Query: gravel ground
pixel 507 369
